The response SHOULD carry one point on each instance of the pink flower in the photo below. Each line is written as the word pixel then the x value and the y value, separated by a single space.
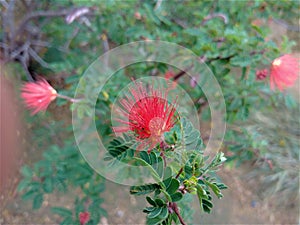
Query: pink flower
pixel 38 95
pixel 261 74
pixel 284 72
pixel 84 217
pixel 169 74
pixel 137 15
pixel 147 114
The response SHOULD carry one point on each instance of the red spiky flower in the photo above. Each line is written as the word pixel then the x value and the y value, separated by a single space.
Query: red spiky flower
pixel 284 72
pixel 38 95
pixel 147 113
pixel 84 217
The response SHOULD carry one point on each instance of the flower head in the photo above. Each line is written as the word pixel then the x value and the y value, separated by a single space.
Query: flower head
pixel 84 217
pixel 147 114
pixel 38 95
pixel 284 72
pixel 261 74
pixel 169 74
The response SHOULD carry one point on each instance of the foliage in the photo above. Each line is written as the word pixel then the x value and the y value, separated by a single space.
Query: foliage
pixel 61 169
pixel 188 175
pixel 270 141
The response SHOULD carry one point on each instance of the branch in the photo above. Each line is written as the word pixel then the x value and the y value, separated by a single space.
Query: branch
pixel 179 172
pixel 24 65
pixel 38 58
pixel 46 44
pixel 33 15
pixel 67 44
pixel 181 73
pixel 215 15
pixel 174 207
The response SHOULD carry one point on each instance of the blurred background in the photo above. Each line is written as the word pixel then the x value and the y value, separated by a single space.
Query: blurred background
pixel 44 179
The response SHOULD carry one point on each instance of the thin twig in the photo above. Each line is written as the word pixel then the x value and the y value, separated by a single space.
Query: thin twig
pixel 215 15
pixel 27 73
pixel 38 58
pixel 67 44
pixel 46 44
pixel 174 207
pixel 34 15
pixel 23 49
pixel 179 172
pixel 181 73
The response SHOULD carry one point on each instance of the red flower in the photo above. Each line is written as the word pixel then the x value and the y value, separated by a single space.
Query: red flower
pixel 261 74
pixel 38 95
pixel 147 114
pixel 137 15
pixel 169 74
pixel 84 217
pixel 284 72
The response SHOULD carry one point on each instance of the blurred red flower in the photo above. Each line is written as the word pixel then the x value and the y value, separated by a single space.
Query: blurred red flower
pixel 147 114
pixel 261 74
pixel 169 74
pixel 38 95
pixel 84 217
pixel 284 72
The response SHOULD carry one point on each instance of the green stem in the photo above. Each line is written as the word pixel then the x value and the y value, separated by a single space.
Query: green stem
pixel 153 172
pixel 168 197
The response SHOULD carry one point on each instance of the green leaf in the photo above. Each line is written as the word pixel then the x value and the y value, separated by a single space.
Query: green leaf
pixel 193 31
pixel 23 185
pixel 145 156
pixel 241 61
pixel 173 187
pixel 176 197
pixel 154 213
pixel 151 201
pixel 28 195
pixel 164 213
pixel 148 209
pixel 119 148
pixel 167 176
pixel 26 171
pixel 159 202
pixel 206 209
pixel 38 201
pixel 48 185
pixel 64 212
pixel 153 221
pixel 214 188
pixel 191 139
pixel 67 221
pixel 143 189
pixel 154 174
